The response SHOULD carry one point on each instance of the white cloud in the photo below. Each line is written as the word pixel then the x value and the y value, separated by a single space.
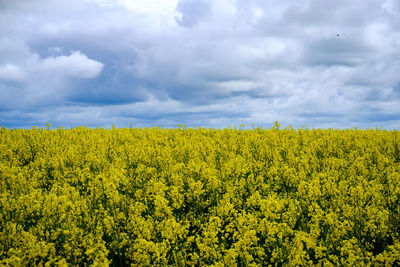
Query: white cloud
pixel 155 9
pixel 75 65
pixel 44 81
pixel 238 85
pixel 392 7
pixel 11 72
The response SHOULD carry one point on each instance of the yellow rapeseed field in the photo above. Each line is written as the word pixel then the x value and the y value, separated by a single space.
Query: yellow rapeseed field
pixel 197 197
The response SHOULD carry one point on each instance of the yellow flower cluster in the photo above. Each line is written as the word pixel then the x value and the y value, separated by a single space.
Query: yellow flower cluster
pixel 196 197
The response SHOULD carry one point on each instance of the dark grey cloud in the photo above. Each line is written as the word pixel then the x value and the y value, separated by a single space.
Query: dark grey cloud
pixel 337 50
pixel 206 63
pixel 110 88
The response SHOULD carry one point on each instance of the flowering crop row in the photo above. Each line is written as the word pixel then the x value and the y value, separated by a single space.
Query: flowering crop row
pixel 199 197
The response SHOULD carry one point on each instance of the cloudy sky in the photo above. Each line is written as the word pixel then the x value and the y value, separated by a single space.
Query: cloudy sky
pixel 209 63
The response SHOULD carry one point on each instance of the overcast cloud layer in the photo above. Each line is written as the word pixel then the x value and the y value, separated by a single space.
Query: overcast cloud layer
pixel 200 62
